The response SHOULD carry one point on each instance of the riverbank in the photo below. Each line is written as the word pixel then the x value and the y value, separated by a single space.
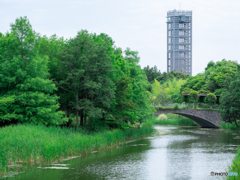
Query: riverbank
pixel 235 167
pixel 231 126
pixel 172 119
pixel 26 145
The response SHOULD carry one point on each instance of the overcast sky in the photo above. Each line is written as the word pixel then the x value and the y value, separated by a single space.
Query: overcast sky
pixel 138 24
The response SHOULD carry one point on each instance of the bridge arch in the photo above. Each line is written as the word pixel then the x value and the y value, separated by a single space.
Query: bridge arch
pixel 206 119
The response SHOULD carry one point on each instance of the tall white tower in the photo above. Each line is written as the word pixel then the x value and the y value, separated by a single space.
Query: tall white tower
pixel 179 41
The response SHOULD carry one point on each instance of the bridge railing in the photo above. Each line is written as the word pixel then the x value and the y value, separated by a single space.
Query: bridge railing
pixel 188 105
pixel 173 104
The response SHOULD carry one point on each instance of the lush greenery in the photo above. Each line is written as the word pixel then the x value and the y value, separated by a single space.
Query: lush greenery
pixel 213 77
pixel 235 167
pixel 153 73
pixel 231 126
pixel 173 119
pixel 51 80
pixel 168 92
pixel 89 81
pixel 30 144
pixel 230 102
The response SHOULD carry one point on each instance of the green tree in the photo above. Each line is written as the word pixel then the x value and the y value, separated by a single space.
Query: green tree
pixel 195 82
pixel 124 103
pixel 230 101
pixel 159 96
pixel 210 65
pixel 139 86
pixel 171 75
pixel 194 95
pixel 24 75
pixel 5 105
pixel 86 70
pixel 211 98
pixel 152 73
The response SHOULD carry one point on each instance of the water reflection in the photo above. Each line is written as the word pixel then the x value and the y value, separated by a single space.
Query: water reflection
pixel 174 153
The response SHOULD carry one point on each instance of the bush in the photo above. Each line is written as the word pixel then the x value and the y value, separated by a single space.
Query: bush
pixel 211 98
pixel 97 125
pixel 218 92
pixel 176 106
pixel 231 126
pixel 161 107
pixel 162 117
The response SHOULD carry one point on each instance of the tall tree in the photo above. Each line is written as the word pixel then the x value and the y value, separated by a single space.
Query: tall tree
pixel 85 69
pixel 230 101
pixel 152 73
pixel 140 95
pixel 24 75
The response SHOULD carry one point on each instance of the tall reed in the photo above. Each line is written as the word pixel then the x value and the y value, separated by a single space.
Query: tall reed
pixel 29 144
pixel 231 126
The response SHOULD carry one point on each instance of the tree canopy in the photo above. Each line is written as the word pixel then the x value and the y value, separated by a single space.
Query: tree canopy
pixel 52 80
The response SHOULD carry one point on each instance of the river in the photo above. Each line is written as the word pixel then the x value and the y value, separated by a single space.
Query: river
pixel 173 153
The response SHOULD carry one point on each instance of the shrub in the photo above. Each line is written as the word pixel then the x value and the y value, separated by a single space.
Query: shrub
pixel 187 91
pixel 176 106
pixel 218 92
pixel 162 117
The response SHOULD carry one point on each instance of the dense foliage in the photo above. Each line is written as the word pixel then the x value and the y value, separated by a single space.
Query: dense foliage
pixel 230 101
pixel 153 73
pixel 213 77
pixel 24 82
pixel 168 92
pixel 52 81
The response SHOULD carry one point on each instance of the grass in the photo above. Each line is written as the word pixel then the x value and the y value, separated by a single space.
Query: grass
pixel 175 120
pixel 235 167
pixel 29 144
pixel 231 126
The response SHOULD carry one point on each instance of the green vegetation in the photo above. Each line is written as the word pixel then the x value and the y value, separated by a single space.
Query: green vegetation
pixel 231 126
pixel 168 92
pixel 213 77
pixel 230 102
pixel 235 167
pixel 153 73
pixel 31 144
pixel 194 95
pixel 50 80
pixel 56 82
pixel 173 119
pixel 162 117
pixel 89 82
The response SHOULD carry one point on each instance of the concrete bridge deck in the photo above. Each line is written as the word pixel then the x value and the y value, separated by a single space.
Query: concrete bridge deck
pixel 206 119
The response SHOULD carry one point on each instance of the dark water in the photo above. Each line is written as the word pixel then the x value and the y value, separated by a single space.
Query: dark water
pixel 175 153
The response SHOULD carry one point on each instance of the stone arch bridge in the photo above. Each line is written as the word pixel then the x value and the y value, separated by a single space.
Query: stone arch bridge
pixel 206 119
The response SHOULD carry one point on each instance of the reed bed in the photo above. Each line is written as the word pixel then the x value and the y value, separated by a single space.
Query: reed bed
pixel 29 144
pixel 231 126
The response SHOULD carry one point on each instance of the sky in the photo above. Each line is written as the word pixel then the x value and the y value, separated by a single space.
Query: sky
pixel 137 24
